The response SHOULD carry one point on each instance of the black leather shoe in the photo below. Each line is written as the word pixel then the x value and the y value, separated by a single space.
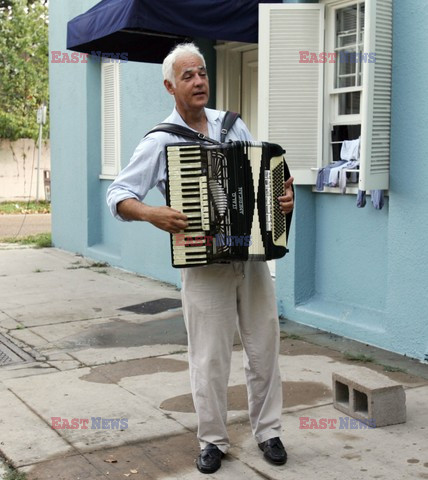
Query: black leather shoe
pixel 209 460
pixel 274 451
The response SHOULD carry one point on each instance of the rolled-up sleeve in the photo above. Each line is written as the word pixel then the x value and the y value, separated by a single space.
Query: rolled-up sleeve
pixel 145 170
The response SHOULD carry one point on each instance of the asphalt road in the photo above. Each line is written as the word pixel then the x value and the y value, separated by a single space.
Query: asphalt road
pixel 23 225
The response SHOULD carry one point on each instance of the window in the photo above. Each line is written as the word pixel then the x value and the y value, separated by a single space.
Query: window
pixel 325 77
pixel 350 56
pixel 344 80
pixel 110 119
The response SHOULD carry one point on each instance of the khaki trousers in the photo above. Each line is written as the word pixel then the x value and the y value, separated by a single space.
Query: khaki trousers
pixel 217 299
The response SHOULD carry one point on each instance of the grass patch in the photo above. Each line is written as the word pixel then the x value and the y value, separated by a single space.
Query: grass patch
pixel 13 474
pixel 41 240
pixel 99 265
pixel 77 265
pixel 290 336
pixel 358 357
pixel 389 368
pixel 9 208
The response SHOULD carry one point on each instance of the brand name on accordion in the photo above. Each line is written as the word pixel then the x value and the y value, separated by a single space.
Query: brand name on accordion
pixel 182 240
pixel 238 202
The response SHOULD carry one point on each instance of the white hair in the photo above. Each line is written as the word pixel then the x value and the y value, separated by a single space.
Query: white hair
pixel 179 50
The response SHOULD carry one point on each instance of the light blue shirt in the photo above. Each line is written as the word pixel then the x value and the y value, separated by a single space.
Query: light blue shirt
pixel 147 167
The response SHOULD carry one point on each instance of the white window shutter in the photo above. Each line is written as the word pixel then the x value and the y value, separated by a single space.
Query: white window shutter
pixel 376 101
pixel 110 117
pixel 291 92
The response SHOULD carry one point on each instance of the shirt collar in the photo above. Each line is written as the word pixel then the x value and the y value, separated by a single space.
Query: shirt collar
pixel 213 116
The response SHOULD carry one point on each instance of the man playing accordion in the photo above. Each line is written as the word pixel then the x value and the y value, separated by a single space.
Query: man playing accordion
pixel 217 298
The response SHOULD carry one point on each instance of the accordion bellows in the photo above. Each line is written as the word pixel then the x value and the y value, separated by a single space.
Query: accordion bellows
pixel 229 193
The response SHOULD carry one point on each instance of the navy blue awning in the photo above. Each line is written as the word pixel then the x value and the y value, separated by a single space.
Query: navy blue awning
pixel 146 29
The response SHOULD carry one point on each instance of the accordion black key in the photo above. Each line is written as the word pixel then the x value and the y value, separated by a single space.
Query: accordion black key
pixel 229 193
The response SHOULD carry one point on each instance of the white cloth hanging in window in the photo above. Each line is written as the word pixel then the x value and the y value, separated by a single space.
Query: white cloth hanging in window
pixel 350 150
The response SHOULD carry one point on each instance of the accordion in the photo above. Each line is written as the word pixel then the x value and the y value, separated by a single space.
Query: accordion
pixel 229 194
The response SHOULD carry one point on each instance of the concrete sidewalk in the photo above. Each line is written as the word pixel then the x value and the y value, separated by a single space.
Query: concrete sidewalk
pixel 107 348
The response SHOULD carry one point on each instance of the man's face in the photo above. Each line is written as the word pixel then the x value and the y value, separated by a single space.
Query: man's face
pixel 191 90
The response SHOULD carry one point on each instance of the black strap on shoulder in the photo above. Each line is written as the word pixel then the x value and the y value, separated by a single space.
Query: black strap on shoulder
pixel 228 120
pixel 182 132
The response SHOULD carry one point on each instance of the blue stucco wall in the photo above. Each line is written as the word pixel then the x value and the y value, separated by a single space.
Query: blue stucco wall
pixel 406 297
pixel 69 132
pixel 360 273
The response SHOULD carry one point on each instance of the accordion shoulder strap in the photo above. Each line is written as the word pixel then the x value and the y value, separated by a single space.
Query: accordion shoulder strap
pixel 182 132
pixel 228 120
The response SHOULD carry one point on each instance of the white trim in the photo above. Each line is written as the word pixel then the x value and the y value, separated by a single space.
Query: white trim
pixel 333 91
pixel 106 177
pixel 235 46
pixel 353 190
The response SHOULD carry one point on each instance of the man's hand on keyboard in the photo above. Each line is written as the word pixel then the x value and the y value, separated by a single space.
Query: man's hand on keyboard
pixel 286 202
pixel 168 219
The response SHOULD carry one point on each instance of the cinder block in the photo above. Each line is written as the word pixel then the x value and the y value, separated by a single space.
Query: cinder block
pixel 369 397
